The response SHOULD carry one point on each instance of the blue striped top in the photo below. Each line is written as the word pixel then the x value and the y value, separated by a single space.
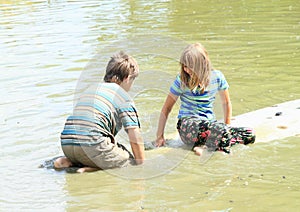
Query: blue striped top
pixel 197 104
pixel 101 113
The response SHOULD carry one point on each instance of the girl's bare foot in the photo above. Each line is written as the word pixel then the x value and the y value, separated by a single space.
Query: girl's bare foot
pixel 198 150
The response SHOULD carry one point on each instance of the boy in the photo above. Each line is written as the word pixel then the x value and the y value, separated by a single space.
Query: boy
pixel 88 139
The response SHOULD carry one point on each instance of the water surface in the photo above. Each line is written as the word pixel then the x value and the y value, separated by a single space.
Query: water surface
pixel 47 46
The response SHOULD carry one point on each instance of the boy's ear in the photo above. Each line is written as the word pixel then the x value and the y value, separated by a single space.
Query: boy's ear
pixel 126 79
pixel 115 79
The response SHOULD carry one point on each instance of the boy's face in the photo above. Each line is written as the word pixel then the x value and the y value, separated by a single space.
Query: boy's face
pixel 127 83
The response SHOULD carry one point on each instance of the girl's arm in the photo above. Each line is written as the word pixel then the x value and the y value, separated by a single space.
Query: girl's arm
pixel 167 108
pixel 226 104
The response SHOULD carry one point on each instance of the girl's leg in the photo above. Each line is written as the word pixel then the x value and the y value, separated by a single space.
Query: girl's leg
pixel 194 132
pixel 212 135
pixel 219 138
pixel 204 134
pixel 242 135
pixel 188 129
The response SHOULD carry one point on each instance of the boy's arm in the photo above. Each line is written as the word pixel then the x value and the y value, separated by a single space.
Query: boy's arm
pixel 137 144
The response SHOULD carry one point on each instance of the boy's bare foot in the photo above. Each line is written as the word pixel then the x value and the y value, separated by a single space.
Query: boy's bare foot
pixel 62 162
pixel 87 169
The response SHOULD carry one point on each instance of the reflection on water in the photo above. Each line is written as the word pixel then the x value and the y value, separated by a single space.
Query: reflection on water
pixel 44 47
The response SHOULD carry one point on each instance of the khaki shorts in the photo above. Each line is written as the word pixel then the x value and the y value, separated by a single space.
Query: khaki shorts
pixel 105 155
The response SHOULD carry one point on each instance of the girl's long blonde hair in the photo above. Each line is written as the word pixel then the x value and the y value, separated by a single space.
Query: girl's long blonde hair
pixel 195 58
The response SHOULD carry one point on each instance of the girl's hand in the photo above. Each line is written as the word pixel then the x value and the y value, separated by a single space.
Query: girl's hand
pixel 160 141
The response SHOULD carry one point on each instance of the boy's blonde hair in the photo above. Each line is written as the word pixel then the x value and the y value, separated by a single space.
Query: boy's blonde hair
pixel 195 58
pixel 120 66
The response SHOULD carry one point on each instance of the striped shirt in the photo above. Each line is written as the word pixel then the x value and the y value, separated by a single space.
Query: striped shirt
pixel 102 113
pixel 197 104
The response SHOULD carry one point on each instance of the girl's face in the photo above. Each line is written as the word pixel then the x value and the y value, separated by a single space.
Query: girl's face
pixel 187 70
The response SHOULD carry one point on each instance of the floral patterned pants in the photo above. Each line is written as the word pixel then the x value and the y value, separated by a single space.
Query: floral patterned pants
pixel 214 135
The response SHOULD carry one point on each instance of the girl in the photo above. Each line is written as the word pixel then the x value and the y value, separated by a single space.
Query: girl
pixel 197 85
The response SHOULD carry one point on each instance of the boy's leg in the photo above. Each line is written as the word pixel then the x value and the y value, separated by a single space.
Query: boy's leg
pixel 71 162
pixel 52 163
pixel 105 155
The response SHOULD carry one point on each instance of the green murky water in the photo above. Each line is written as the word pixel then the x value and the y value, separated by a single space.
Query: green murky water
pixel 45 46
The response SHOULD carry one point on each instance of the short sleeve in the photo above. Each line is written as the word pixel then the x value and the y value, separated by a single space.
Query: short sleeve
pixel 176 87
pixel 128 116
pixel 223 84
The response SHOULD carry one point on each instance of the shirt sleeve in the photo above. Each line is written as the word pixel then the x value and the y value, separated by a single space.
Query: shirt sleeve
pixel 176 87
pixel 129 117
pixel 223 84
